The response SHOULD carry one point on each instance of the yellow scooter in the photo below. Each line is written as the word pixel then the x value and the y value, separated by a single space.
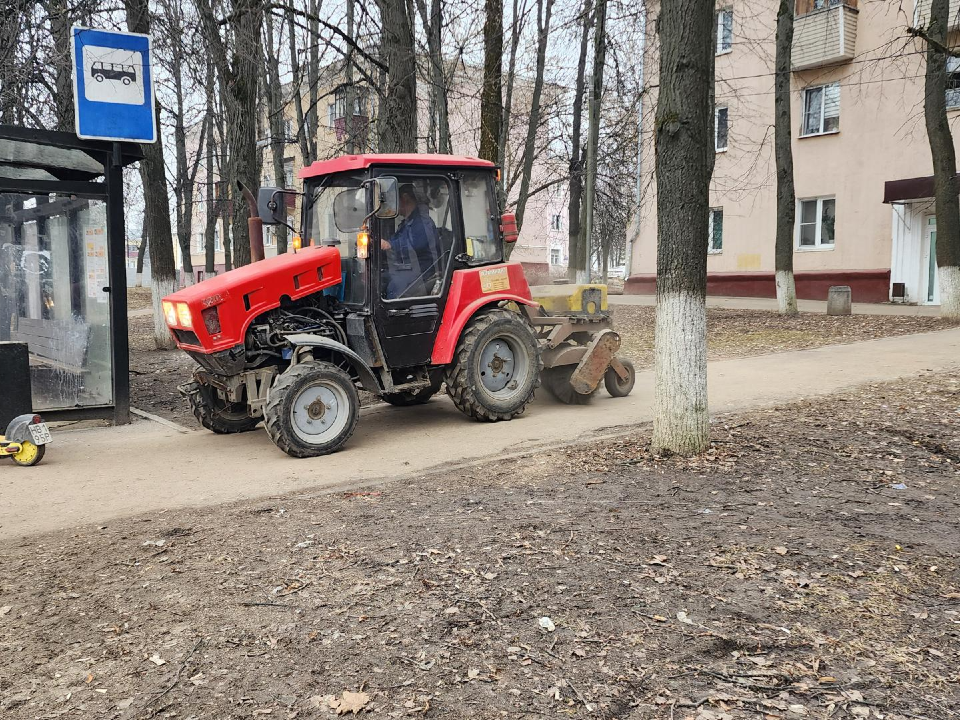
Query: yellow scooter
pixel 25 440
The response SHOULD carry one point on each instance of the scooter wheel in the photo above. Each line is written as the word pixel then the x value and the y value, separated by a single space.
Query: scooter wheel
pixel 29 454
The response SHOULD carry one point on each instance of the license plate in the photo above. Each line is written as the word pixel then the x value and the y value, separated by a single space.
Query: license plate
pixel 40 433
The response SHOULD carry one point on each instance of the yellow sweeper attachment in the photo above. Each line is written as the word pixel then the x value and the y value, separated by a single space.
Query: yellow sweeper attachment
pixel 578 344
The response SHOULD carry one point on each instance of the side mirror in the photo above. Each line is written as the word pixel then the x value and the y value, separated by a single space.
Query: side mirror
pixel 386 197
pixel 271 206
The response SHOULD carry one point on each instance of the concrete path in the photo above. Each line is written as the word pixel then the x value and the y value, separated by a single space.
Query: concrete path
pixel 814 306
pixel 94 475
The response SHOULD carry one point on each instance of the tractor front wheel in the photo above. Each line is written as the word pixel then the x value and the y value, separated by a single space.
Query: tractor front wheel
pixel 496 368
pixel 312 409
pixel 216 414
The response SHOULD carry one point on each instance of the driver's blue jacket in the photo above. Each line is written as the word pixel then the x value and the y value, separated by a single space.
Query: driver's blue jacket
pixel 412 256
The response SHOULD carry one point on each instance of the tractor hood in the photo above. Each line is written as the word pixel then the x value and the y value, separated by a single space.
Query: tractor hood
pixel 213 315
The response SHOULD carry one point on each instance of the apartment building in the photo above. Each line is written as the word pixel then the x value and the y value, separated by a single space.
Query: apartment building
pixel 862 167
pixel 541 248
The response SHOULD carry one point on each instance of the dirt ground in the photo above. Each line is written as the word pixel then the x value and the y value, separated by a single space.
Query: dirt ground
pixel 805 566
pixel 156 374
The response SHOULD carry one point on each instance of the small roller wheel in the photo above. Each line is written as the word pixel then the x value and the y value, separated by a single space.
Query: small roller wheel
pixel 557 382
pixel 29 454
pixel 409 397
pixel 617 387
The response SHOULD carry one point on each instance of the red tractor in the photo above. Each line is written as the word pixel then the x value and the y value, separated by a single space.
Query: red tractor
pixel 399 287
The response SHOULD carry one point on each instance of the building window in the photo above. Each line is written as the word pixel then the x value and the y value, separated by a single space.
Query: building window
pixel 555 222
pixel 953 83
pixel 217 245
pixel 816 221
pixel 554 256
pixel 287 129
pixel 821 110
pixel 715 231
pixel 288 173
pixel 724 31
pixel 199 248
pixel 721 128
pixel 332 115
pixel 268 236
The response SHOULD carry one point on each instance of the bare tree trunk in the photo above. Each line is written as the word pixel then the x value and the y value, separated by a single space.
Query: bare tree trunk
pixel 399 110
pixel 60 22
pixel 275 105
pixel 684 165
pixel 577 246
pixel 238 70
pixel 438 137
pixel 945 187
pixel 141 251
pixel 491 94
pixel 596 96
pixel 156 216
pixel 351 90
pixel 313 77
pixel 783 148
pixel 544 10
pixel 308 150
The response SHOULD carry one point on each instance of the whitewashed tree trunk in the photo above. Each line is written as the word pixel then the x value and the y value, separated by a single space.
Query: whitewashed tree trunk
pixel 786 293
pixel 162 287
pixel 681 420
pixel 949 277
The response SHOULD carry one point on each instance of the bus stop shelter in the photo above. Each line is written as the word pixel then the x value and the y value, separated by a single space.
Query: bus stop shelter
pixel 63 269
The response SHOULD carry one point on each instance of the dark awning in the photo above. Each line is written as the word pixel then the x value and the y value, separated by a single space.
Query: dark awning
pixel 919 188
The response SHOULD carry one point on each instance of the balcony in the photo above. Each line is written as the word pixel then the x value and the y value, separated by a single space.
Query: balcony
pixel 824 33
pixel 921 14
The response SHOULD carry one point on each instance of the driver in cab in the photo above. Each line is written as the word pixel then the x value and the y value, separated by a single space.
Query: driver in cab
pixel 411 252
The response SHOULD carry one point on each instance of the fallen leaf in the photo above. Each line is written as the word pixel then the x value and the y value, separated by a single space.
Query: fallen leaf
pixel 89 679
pixel 351 702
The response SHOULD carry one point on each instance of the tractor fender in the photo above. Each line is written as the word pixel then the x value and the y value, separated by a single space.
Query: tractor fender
pixel 449 332
pixel 17 430
pixel 367 378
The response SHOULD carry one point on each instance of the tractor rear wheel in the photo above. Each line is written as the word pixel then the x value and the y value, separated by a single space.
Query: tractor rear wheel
pixel 496 368
pixel 557 382
pixel 312 409
pixel 216 414
pixel 408 398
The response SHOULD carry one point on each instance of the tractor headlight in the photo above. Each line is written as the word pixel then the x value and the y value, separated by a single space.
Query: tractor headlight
pixel 169 313
pixel 183 315
pixel 363 244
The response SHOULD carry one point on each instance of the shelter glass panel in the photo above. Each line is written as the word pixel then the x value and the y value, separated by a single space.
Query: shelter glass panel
pixel 54 269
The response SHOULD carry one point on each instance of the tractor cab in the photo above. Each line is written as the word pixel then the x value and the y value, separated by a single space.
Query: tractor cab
pixel 402 226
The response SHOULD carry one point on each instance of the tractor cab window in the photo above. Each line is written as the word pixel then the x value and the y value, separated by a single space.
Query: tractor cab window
pixel 339 206
pixel 416 246
pixel 479 208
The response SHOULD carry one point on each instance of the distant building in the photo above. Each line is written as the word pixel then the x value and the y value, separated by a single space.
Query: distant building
pixel 865 212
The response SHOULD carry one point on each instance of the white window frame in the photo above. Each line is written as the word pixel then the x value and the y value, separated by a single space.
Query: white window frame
pixel 818 245
pixel 556 222
pixel 720 49
pixel 555 252
pixel 267 236
pixel 952 92
pixel 716 129
pixel 823 104
pixel 711 250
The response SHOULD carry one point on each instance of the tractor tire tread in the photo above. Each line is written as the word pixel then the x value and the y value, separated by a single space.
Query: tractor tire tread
pixel 557 382
pixel 458 388
pixel 207 416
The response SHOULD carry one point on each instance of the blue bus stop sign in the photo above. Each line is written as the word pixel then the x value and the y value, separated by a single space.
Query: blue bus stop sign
pixel 113 86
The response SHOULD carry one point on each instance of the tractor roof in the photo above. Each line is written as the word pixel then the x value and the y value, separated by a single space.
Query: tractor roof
pixel 362 162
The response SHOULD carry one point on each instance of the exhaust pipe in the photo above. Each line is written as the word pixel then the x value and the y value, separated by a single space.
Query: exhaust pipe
pixel 254 224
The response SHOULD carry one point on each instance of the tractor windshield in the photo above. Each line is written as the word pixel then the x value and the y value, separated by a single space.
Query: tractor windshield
pixel 338 208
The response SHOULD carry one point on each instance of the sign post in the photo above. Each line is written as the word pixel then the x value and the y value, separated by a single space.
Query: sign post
pixel 113 92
